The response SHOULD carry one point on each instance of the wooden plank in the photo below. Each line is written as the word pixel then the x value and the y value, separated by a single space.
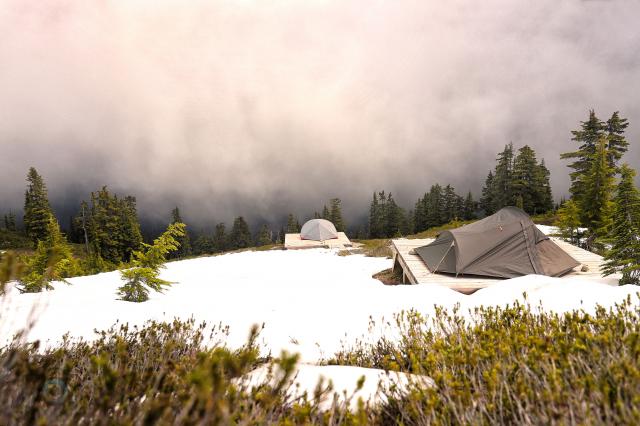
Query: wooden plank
pixel 416 272
pixel 294 242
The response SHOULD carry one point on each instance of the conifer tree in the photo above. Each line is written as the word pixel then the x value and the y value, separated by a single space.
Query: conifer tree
pixel 37 210
pixel 486 200
pixel 143 275
pixel 52 261
pixel 624 255
pixel 436 214
pixel 130 236
pixel 240 236
pixel 543 197
pixel 595 203
pixel 293 226
pixel 420 214
pixel 184 241
pixel 325 213
pixel 569 221
pixel 10 222
pixel 525 175
pixel 203 244
pixel 451 204
pixel 336 214
pixel 469 207
pixel 616 141
pixel 502 184
pixel 588 135
pixel 408 225
pixel 264 236
pixel 220 238
pixel 113 227
pixel 376 218
pixel 393 218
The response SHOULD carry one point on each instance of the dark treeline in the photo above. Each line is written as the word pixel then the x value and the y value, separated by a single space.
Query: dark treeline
pixel 107 224
pixel 602 214
pixel 516 180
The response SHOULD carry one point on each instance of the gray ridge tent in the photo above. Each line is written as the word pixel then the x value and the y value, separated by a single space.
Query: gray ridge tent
pixel 506 244
pixel 319 230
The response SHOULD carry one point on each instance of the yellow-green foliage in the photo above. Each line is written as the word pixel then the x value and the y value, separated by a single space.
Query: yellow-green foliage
pixel 52 261
pixel 10 269
pixel 145 266
pixel 159 374
pixel 507 366
pixel 10 239
pixel 514 366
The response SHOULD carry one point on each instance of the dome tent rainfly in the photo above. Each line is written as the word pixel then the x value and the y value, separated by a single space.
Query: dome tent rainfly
pixel 506 244
pixel 318 230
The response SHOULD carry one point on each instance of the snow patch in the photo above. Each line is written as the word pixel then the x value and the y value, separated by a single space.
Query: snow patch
pixel 338 383
pixel 312 302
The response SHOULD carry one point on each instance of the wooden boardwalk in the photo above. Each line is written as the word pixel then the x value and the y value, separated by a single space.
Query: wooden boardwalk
pixel 294 242
pixel 414 270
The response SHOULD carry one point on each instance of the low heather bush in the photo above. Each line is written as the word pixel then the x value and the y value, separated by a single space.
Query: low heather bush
pixel 512 366
pixel 498 366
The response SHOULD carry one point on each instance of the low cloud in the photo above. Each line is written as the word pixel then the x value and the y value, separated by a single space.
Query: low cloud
pixel 264 107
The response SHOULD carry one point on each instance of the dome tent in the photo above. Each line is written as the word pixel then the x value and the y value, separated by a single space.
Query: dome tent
pixel 318 230
pixel 506 244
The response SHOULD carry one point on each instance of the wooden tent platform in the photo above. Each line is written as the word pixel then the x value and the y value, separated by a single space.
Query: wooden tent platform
pixel 414 270
pixel 294 242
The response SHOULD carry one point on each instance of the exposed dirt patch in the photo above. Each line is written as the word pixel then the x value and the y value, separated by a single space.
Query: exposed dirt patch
pixel 389 277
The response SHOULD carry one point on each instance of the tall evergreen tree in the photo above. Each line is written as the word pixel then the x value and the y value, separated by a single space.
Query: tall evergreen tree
pixel 376 217
pixel 220 238
pixel 203 244
pixel 10 222
pixel 543 197
pixel 503 179
pixel 624 256
pixel 52 261
pixel 240 236
pixel 37 210
pixel 486 200
pixel 436 214
pixel 451 207
pixel 113 227
pixel 469 207
pixel 587 136
pixel 184 241
pixel 336 214
pixel 595 202
pixel 393 218
pixel 293 226
pixel 616 141
pixel 420 214
pixel 130 235
pixel 525 175
pixel 325 213
pixel 264 236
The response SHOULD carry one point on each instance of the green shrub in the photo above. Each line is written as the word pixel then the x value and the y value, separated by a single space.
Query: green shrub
pixel 502 366
pixel 513 366
pixel 10 269
pixel 145 266
pixel 10 239
pixel 52 261
pixel 158 374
